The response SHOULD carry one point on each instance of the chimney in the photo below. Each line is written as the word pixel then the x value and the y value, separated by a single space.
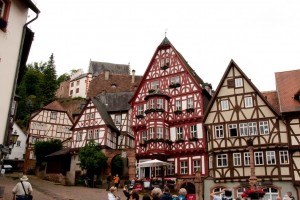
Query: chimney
pixel 106 75
pixel 133 76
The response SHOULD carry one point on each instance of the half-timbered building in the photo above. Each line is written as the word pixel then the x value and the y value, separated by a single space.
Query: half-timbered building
pixel 53 121
pixel 167 112
pixel 288 90
pixel 248 142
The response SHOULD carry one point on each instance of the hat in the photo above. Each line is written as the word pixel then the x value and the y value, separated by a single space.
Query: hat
pixel 24 178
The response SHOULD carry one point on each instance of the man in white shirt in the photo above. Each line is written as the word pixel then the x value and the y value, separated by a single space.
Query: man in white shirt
pixel 18 190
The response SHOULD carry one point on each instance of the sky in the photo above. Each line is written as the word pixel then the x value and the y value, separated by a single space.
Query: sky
pixel 261 36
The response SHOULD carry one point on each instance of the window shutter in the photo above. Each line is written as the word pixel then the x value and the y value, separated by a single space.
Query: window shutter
pixel 230 83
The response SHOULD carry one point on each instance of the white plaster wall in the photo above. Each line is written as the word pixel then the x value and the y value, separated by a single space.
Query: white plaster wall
pixel 18 151
pixel 9 51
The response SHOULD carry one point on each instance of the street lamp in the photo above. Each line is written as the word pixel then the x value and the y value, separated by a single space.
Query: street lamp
pixel 13 138
pixel 253 178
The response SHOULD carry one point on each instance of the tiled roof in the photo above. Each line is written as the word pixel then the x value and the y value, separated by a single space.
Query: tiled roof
pixel 288 85
pixel 72 106
pixel 115 83
pixel 272 98
pixel 54 105
pixel 80 77
pixel 116 101
pixel 97 68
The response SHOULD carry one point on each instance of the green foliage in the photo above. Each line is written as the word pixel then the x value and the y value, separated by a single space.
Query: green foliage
pixel 44 148
pixel 117 165
pixel 63 78
pixel 92 158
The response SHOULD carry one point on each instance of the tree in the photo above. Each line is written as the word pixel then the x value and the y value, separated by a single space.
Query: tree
pixel 44 148
pixel 92 159
pixel 63 78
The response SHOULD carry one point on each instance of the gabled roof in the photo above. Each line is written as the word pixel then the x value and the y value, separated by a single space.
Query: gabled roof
pixel 165 44
pixel 55 106
pixel 72 106
pixel 97 68
pixel 116 101
pixel 31 5
pixel 232 64
pixel 115 83
pixel 288 85
pixel 272 98
pixel 104 114
pixel 80 77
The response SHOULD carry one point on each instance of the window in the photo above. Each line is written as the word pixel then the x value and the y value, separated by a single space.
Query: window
pixel 118 119
pixel 175 79
pixel 218 190
pixel 92 115
pixel 243 129
pixel 190 102
pixel 18 144
pixel 77 90
pixel 71 92
pixel 157 171
pixel 141 110
pixel 258 157
pixel 166 133
pixel 238 82
pixel 271 160
pixel 264 128
pixel 246 158
pixel 224 105
pixel 87 116
pixel 183 167
pixel 154 85
pixel 96 134
pixel 232 130
pixel 248 102
pixel 53 115
pixel 72 84
pixel 151 103
pixel 77 82
pixel 222 160
pixel 237 159
pixel 151 133
pixel 193 130
pixel 179 133
pixel 252 128
pixel 171 169
pixel 219 131
pixel 79 136
pixel 284 157
pixel 159 104
pixel 90 134
pixel 144 135
pixel 196 166
pixel 271 193
pixel 178 104
pixel 159 132
pixel 210 162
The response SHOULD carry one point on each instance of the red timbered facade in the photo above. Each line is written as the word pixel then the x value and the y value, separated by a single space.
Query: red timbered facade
pixel 246 136
pixel 166 117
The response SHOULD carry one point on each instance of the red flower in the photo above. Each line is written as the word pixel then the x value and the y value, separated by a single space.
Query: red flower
pixel 244 195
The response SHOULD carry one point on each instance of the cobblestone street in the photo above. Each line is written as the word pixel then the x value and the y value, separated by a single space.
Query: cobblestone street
pixel 45 190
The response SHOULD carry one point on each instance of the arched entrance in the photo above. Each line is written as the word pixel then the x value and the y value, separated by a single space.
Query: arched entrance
pixel 190 187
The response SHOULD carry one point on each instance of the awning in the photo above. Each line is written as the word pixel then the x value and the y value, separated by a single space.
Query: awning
pixel 153 163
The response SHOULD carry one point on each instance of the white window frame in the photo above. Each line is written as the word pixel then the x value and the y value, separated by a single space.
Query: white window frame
pixel 79 137
pixel 118 119
pixel 175 79
pixel 92 115
pixel 237 159
pixel 284 157
pixel 252 128
pixel 271 157
pixel 177 104
pixel 87 116
pixel 190 102
pixel 159 132
pixel 179 132
pixel 193 131
pixel 144 135
pixel 140 109
pixel 232 127
pixel 243 129
pixel 90 134
pixel 183 167
pixel 155 85
pixel 248 101
pixel 171 169
pixel 246 158
pixel 238 82
pixel 222 160
pixel 271 193
pixel 197 165
pixel 151 133
pixel 18 143
pixel 159 103
pixel 224 104
pixel 53 115
pixel 151 103
pixel 219 131
pixel 166 133
pixel 96 134
pixel 258 158
pixel 264 127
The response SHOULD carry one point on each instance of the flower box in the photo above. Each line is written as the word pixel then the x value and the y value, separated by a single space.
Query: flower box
pixel 190 110
pixel 193 139
pixel 165 67
pixel 160 110
pixel 177 112
pixel 151 91
pixel 149 110
pixel 139 116
pixel 174 85
pixel 179 140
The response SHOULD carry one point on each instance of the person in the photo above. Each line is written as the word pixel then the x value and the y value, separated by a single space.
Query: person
pixel 238 198
pixel 166 195
pixel 112 194
pixel 116 181
pixel 224 194
pixel 18 190
pixel 131 195
pixel 156 193
pixel 290 195
pixel 108 180
pixel 182 194
pixel 146 197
